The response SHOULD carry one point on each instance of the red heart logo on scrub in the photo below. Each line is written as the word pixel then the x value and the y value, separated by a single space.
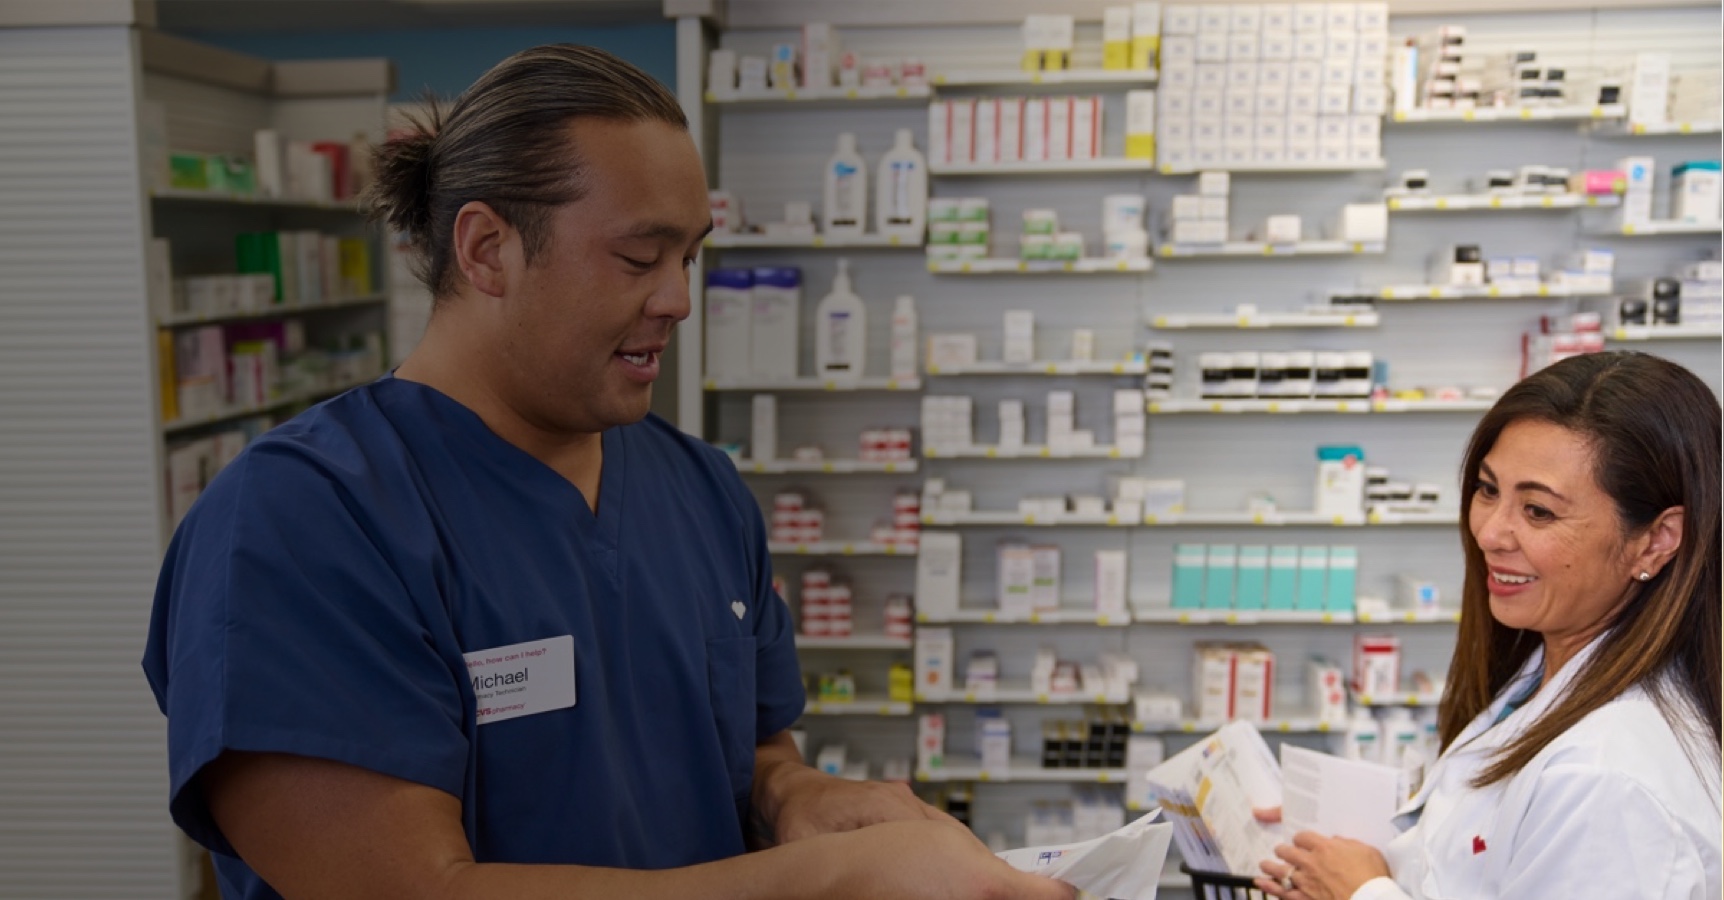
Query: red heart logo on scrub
pixel 1478 845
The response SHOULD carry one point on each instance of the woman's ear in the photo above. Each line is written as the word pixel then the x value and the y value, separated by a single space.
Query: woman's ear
pixel 1660 542
pixel 481 238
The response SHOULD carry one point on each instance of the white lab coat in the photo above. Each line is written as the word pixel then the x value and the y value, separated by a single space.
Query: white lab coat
pixel 1610 809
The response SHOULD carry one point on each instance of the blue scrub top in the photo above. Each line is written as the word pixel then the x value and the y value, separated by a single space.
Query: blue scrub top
pixel 320 596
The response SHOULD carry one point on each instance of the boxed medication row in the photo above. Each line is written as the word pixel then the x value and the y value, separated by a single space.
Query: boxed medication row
pixel 1296 18
pixel 1230 576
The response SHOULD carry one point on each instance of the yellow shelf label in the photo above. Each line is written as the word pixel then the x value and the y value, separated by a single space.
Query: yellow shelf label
pixel 1442 203
pixel 1150 519
pixel 1113 453
pixel 1185 618
pixel 894 240
pixel 826 467
pixel 1188 727
pixel 829 385
pixel 1052 369
pixel 991 453
pixel 1349 321
pixel 1046 453
pixel 1496 203
pixel 790 95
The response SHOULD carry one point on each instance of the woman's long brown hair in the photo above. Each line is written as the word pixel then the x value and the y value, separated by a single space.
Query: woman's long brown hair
pixel 1654 431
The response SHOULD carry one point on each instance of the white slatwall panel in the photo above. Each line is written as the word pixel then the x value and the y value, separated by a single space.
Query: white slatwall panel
pixel 82 767
pixel 203 118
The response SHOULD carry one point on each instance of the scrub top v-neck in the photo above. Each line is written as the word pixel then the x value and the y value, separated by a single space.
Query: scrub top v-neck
pixel 329 594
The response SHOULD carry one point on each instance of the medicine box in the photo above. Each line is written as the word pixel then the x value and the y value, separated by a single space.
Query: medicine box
pixel 1188 563
pixel 1313 572
pixel 1343 576
pixel 1283 582
pixel 1220 564
pixel 1251 589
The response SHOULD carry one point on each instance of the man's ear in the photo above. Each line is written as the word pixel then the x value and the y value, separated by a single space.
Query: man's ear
pixel 482 241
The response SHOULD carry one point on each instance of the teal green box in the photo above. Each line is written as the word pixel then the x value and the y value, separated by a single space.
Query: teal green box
pixel 1251 591
pixel 1343 578
pixel 1218 573
pixel 1283 577
pixel 1313 575
pixel 1188 561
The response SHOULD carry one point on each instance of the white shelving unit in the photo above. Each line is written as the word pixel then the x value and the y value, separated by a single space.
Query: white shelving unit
pixel 1259 248
pixel 181 320
pixel 1481 292
pixel 1664 333
pixel 1665 129
pixel 1007 693
pixel 840 96
pixel 241 411
pixel 861 706
pixel 762 241
pixel 1361 318
pixel 1068 520
pixel 1189 306
pixel 1044 367
pixel 971 769
pixel 1304 169
pixel 1039 266
pixel 1401 698
pixel 1027 451
pixel 824 467
pixel 1661 229
pixel 1506 114
pixel 814 384
pixel 1099 166
pixel 1279 724
pixel 1004 77
pixel 1476 202
pixel 1307 407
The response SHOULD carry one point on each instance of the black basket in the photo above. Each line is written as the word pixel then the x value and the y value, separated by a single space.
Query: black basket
pixel 1222 886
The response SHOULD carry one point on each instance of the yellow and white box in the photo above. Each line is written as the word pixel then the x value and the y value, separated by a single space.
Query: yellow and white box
pixel 1139 124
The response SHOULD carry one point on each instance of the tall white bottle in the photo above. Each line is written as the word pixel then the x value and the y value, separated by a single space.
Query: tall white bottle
pixel 1363 739
pixel 845 212
pixel 904 338
pixel 841 330
pixel 901 191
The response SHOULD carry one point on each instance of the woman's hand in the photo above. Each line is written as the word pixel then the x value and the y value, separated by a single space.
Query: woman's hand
pixel 1315 867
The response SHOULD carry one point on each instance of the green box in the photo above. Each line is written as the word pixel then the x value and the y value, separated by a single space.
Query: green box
pixel 1313 578
pixel 1343 578
pixel 1188 561
pixel 1283 577
pixel 1219 568
pixel 188 171
pixel 1252 589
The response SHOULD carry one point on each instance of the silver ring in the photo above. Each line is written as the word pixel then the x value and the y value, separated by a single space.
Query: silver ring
pixel 1287 880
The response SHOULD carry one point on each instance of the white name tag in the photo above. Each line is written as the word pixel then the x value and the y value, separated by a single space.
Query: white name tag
pixel 523 679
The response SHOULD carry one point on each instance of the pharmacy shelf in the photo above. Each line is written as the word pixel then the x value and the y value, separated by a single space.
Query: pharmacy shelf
pixel 1019 694
pixel 1278 169
pixel 1282 723
pixel 887 94
pixel 1044 367
pixel 1024 769
pixel 1400 698
pixel 1189 519
pixel 1063 616
pixel 1258 248
pixel 840 548
pixel 1038 266
pixel 1509 114
pixel 1064 78
pixel 1659 229
pixel 813 384
pixel 824 467
pixel 1362 318
pixel 293 398
pixel 725 240
pixel 1299 407
pixel 1664 333
pixel 1642 129
pixel 1027 451
pixel 1097 166
pixel 1482 291
pixel 853 642
pixel 169 195
pixel 1168 616
pixel 186 320
pixel 1252 617
pixel 1468 202
pixel 986 519
pixel 1297 519
pixel 861 706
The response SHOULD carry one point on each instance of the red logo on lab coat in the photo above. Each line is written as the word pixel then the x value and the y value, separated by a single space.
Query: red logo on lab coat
pixel 1478 845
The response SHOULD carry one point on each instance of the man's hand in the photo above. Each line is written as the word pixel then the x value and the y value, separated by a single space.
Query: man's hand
pixel 793 802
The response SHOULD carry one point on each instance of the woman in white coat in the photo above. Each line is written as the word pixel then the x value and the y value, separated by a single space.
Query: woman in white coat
pixel 1580 724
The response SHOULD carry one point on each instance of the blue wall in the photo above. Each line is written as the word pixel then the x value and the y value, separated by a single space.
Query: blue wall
pixel 448 60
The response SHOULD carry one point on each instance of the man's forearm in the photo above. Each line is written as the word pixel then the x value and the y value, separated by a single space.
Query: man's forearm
pixel 777 769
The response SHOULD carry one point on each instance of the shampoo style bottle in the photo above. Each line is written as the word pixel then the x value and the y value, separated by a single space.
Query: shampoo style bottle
pixel 846 208
pixel 841 330
pixel 901 198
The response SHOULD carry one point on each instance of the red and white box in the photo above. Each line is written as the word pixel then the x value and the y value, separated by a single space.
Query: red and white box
pixel 1376 664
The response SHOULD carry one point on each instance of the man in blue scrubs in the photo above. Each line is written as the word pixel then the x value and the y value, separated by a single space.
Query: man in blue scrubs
pixel 485 628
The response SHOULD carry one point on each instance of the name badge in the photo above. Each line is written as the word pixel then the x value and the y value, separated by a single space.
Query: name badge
pixel 523 679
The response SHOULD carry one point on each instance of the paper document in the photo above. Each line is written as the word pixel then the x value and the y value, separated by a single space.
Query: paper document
pixel 1343 797
pixel 1208 792
pixel 1123 865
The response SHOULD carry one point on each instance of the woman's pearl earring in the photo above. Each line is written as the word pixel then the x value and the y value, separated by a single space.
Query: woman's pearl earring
pixel 1645 576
